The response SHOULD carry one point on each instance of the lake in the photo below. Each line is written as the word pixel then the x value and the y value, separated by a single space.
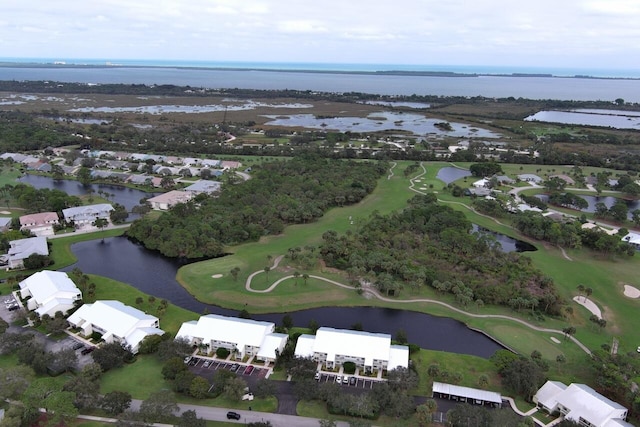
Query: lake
pixel 450 174
pixel 579 89
pixel 607 200
pixel 584 117
pixel 127 197
pixel 120 259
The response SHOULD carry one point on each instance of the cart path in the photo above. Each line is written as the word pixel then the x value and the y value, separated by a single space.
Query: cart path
pixel 372 292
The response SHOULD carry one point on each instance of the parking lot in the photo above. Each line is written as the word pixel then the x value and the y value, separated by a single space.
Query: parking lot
pixel 207 367
pixel 359 382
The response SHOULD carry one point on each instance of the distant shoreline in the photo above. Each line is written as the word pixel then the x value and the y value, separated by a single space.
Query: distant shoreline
pixel 417 73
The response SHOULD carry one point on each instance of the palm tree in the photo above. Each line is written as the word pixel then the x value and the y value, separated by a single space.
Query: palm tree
pixel 266 270
pixel 305 277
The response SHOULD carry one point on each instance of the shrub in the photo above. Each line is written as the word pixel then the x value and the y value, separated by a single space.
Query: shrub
pixel 222 352
pixel 349 368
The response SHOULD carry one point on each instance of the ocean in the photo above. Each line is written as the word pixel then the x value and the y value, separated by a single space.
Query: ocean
pixel 490 81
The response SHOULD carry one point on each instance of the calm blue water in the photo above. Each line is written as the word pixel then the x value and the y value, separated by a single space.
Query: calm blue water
pixel 262 76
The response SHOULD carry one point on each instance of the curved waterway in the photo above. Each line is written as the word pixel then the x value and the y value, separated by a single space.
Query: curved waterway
pixel 120 259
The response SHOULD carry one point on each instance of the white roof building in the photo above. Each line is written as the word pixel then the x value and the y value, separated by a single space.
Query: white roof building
pixel 465 394
pixel 116 322
pixel 367 350
pixel 204 186
pixel 633 239
pixel 167 200
pixel 244 336
pixel 19 250
pixel 580 403
pixel 50 292
pixel 82 215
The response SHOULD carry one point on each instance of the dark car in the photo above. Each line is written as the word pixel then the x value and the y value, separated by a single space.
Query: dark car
pixel 14 307
pixel 233 415
pixel 352 380
pixel 87 350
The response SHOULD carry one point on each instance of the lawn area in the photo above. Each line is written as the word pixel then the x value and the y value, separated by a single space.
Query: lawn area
pixel 9 174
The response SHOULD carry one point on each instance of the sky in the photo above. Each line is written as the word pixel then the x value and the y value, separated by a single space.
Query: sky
pixel 589 34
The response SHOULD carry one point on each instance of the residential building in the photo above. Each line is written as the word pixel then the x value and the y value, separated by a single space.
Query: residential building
pixel 167 200
pixel 633 239
pixel 5 223
pixel 86 215
pixel 244 337
pixel 580 403
pixel 49 292
pixel 19 250
pixel 367 350
pixel 204 186
pixel 529 177
pixel 39 224
pixel 116 322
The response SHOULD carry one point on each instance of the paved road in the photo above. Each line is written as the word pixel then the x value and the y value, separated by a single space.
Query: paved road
pixel 220 414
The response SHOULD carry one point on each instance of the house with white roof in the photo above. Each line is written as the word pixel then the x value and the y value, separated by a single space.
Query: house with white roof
pixel 19 250
pixel 39 224
pixel 529 177
pixel 48 292
pixel 116 322
pixel 367 350
pixel 167 200
pixel 204 186
pixel 244 337
pixel 582 404
pixel 633 239
pixel 86 215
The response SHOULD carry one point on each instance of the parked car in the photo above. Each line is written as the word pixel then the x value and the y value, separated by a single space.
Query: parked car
pixel 248 370
pixel 187 359
pixel 13 308
pixel 352 381
pixel 345 380
pixel 206 363
pixel 234 367
pixel 233 415
pixel 317 376
pixel 77 345
pixel 339 379
pixel 248 396
pixel 87 350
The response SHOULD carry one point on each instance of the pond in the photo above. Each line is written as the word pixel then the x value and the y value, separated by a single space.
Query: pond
pixel 127 197
pixel 450 174
pixel 607 200
pixel 586 117
pixel 416 124
pixel 508 244
pixel 120 259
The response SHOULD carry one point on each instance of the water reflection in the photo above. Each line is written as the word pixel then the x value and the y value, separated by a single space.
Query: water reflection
pixel 416 124
pixel 449 174
pixel 122 260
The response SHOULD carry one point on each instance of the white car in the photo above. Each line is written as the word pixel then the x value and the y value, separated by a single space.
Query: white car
pixel 248 396
pixel 339 379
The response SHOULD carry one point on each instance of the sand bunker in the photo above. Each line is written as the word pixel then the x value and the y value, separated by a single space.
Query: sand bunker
pixel 589 305
pixel 555 340
pixel 631 292
pixel 5 212
pixel 216 276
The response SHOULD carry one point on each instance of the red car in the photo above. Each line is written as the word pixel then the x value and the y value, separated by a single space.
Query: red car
pixel 248 370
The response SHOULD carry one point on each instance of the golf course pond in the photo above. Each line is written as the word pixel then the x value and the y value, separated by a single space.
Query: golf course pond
pixel 120 259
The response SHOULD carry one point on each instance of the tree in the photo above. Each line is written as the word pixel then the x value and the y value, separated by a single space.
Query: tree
pixel 57 172
pixel 179 347
pixel 119 214
pixel 190 419
pixel 287 321
pixel 523 376
pixel 111 355
pixel 150 344
pixel 14 381
pixel 401 336
pixel 100 223
pixel 264 388
pixel 199 388
pixel 313 326
pixel 86 391
pixel 115 402
pixel 234 388
pixel 167 182
pixel 84 175
pixel 159 406
pixel 425 411
pixel 173 367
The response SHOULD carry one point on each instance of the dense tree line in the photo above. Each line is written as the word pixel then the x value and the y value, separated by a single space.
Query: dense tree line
pixel 428 244
pixel 280 193
pixel 34 200
pixel 571 234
